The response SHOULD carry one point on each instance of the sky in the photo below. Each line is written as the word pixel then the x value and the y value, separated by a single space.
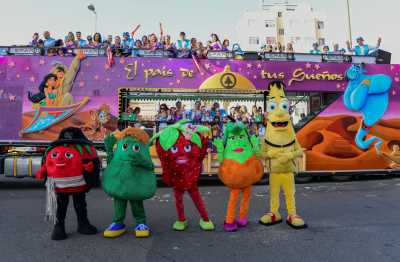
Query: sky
pixel 20 18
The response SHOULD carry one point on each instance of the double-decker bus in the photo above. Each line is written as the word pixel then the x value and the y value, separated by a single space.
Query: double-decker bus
pixel 98 93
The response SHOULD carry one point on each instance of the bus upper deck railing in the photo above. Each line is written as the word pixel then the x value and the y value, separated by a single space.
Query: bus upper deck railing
pixel 378 57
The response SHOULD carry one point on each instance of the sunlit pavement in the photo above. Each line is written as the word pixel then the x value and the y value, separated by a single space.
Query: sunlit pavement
pixel 351 221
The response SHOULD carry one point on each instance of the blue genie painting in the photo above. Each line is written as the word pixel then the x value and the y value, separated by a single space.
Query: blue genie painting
pixel 368 95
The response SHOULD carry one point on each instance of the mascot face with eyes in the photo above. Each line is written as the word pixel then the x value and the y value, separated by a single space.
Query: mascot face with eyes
pixel 130 171
pixel 279 126
pixel 63 161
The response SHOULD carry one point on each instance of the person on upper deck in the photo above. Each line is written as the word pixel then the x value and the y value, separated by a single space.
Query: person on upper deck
pixel 225 45
pixel 289 48
pixel 315 50
pixel 35 40
pixel 48 40
pixel 325 50
pixel 215 43
pixel 183 43
pixel 97 42
pixel 70 40
pixel 361 48
pixel 337 50
pixel 90 42
pixel 79 42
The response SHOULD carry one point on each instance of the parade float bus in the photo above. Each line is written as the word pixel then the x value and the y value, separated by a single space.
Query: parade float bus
pixel 104 90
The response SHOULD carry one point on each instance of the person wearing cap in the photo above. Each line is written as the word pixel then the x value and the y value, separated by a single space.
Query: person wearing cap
pixel 361 48
pixel 126 40
pixel 315 50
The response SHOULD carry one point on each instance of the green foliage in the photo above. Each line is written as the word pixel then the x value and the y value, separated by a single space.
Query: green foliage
pixel 168 137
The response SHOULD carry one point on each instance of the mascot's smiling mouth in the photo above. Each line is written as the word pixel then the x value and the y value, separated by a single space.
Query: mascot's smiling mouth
pixel 60 165
pixel 239 150
pixel 181 160
pixel 280 124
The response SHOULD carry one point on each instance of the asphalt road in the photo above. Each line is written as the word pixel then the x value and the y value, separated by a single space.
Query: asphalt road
pixel 352 221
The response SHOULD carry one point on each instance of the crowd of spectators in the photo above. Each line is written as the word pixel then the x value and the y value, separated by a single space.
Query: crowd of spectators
pixel 361 48
pixel 214 116
pixel 130 41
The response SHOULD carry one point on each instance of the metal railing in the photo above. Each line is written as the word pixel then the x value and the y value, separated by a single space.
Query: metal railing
pixel 167 53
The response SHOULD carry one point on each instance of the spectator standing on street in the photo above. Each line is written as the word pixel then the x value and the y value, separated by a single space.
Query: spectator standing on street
pixel 79 42
pixel 361 48
pixel 48 40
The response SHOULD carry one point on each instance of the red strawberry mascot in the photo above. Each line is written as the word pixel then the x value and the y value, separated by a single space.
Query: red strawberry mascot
pixel 71 166
pixel 182 148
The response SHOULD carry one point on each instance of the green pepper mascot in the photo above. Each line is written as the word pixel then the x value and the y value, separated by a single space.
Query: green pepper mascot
pixel 129 177
pixel 239 169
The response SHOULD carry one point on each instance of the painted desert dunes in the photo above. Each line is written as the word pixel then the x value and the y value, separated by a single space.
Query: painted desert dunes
pixel 329 143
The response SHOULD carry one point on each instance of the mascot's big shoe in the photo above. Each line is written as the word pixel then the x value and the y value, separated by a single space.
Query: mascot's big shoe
pixel 129 177
pixel 280 150
pixel 239 170
pixel 182 148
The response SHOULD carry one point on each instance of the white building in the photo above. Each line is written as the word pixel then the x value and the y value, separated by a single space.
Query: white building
pixel 281 22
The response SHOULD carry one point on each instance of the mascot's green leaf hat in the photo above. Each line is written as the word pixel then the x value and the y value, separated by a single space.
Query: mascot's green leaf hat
pixel 169 135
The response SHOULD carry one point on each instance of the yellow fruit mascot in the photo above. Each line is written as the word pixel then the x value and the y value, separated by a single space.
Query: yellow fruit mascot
pixel 280 150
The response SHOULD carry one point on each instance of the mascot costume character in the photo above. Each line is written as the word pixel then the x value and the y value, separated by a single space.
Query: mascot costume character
pixel 182 148
pixel 280 150
pixel 239 170
pixel 71 167
pixel 129 177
